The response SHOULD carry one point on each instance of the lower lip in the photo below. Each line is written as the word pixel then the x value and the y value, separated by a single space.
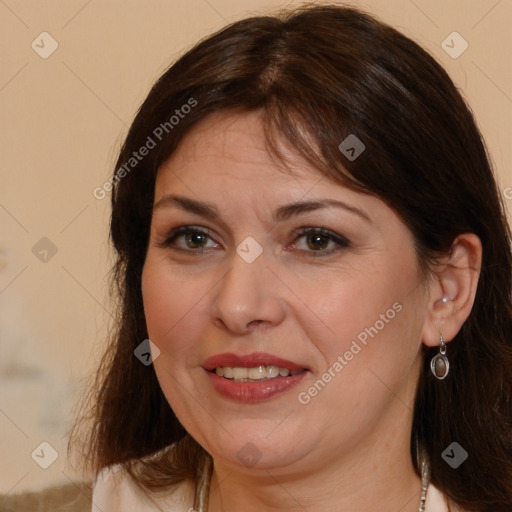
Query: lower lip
pixel 254 391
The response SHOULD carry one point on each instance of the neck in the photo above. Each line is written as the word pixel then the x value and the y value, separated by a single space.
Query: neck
pixel 377 474
pixel 387 489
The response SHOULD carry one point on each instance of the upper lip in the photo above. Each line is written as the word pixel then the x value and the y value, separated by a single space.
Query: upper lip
pixel 250 361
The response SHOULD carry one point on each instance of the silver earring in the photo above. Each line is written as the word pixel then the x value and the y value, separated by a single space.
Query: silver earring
pixel 439 364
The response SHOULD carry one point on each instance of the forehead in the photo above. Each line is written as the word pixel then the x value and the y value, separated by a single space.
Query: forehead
pixel 224 159
pixel 223 162
pixel 233 145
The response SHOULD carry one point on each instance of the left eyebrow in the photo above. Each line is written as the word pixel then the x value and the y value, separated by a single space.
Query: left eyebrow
pixel 298 208
pixel 283 213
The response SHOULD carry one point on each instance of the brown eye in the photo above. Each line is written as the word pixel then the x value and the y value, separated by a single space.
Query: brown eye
pixel 317 242
pixel 188 238
pixel 196 240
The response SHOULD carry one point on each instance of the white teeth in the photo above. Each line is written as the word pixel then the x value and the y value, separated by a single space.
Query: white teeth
pixel 257 373
pixel 240 373
pixel 251 374
pixel 272 371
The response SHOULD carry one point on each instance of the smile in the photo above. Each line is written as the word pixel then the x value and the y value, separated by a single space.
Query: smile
pixel 253 377
pixel 255 374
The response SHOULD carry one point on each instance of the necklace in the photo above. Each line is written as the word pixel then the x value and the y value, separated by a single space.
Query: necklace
pixel 203 487
pixel 425 478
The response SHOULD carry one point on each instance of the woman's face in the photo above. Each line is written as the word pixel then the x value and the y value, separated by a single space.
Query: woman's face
pixel 252 272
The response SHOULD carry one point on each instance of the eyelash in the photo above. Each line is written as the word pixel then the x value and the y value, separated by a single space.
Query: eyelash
pixel 340 241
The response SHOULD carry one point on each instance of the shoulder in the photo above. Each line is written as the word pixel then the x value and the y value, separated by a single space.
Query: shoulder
pixel 436 501
pixel 115 491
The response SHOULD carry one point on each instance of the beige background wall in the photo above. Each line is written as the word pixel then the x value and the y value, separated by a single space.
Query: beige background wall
pixel 62 119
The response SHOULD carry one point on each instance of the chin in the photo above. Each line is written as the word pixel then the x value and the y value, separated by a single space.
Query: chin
pixel 249 449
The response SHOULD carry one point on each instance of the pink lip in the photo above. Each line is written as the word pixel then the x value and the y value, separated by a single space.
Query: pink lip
pixel 252 391
pixel 250 361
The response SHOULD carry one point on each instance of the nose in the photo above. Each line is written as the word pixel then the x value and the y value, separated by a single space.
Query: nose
pixel 248 297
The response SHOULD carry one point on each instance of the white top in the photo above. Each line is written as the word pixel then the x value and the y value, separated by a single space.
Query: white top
pixel 114 491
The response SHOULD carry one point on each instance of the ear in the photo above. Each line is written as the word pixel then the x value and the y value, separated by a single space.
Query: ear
pixel 454 279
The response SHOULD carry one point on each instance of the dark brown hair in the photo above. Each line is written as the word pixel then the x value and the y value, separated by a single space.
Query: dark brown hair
pixel 317 75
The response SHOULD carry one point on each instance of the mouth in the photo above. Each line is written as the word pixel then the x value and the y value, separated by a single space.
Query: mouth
pixel 255 374
pixel 254 377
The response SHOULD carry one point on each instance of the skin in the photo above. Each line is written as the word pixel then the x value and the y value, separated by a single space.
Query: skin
pixel 348 448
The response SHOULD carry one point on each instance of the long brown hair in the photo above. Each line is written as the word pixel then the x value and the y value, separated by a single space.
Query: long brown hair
pixel 319 74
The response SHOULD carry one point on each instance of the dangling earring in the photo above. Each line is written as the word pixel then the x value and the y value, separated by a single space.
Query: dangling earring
pixel 439 364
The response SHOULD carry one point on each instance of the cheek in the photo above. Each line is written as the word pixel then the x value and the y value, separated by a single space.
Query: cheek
pixel 175 316
pixel 369 353
pixel 361 306
pixel 173 308
pixel 370 328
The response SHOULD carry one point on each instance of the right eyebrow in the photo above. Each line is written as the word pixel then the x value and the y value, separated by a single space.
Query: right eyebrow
pixel 209 211
pixel 202 208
